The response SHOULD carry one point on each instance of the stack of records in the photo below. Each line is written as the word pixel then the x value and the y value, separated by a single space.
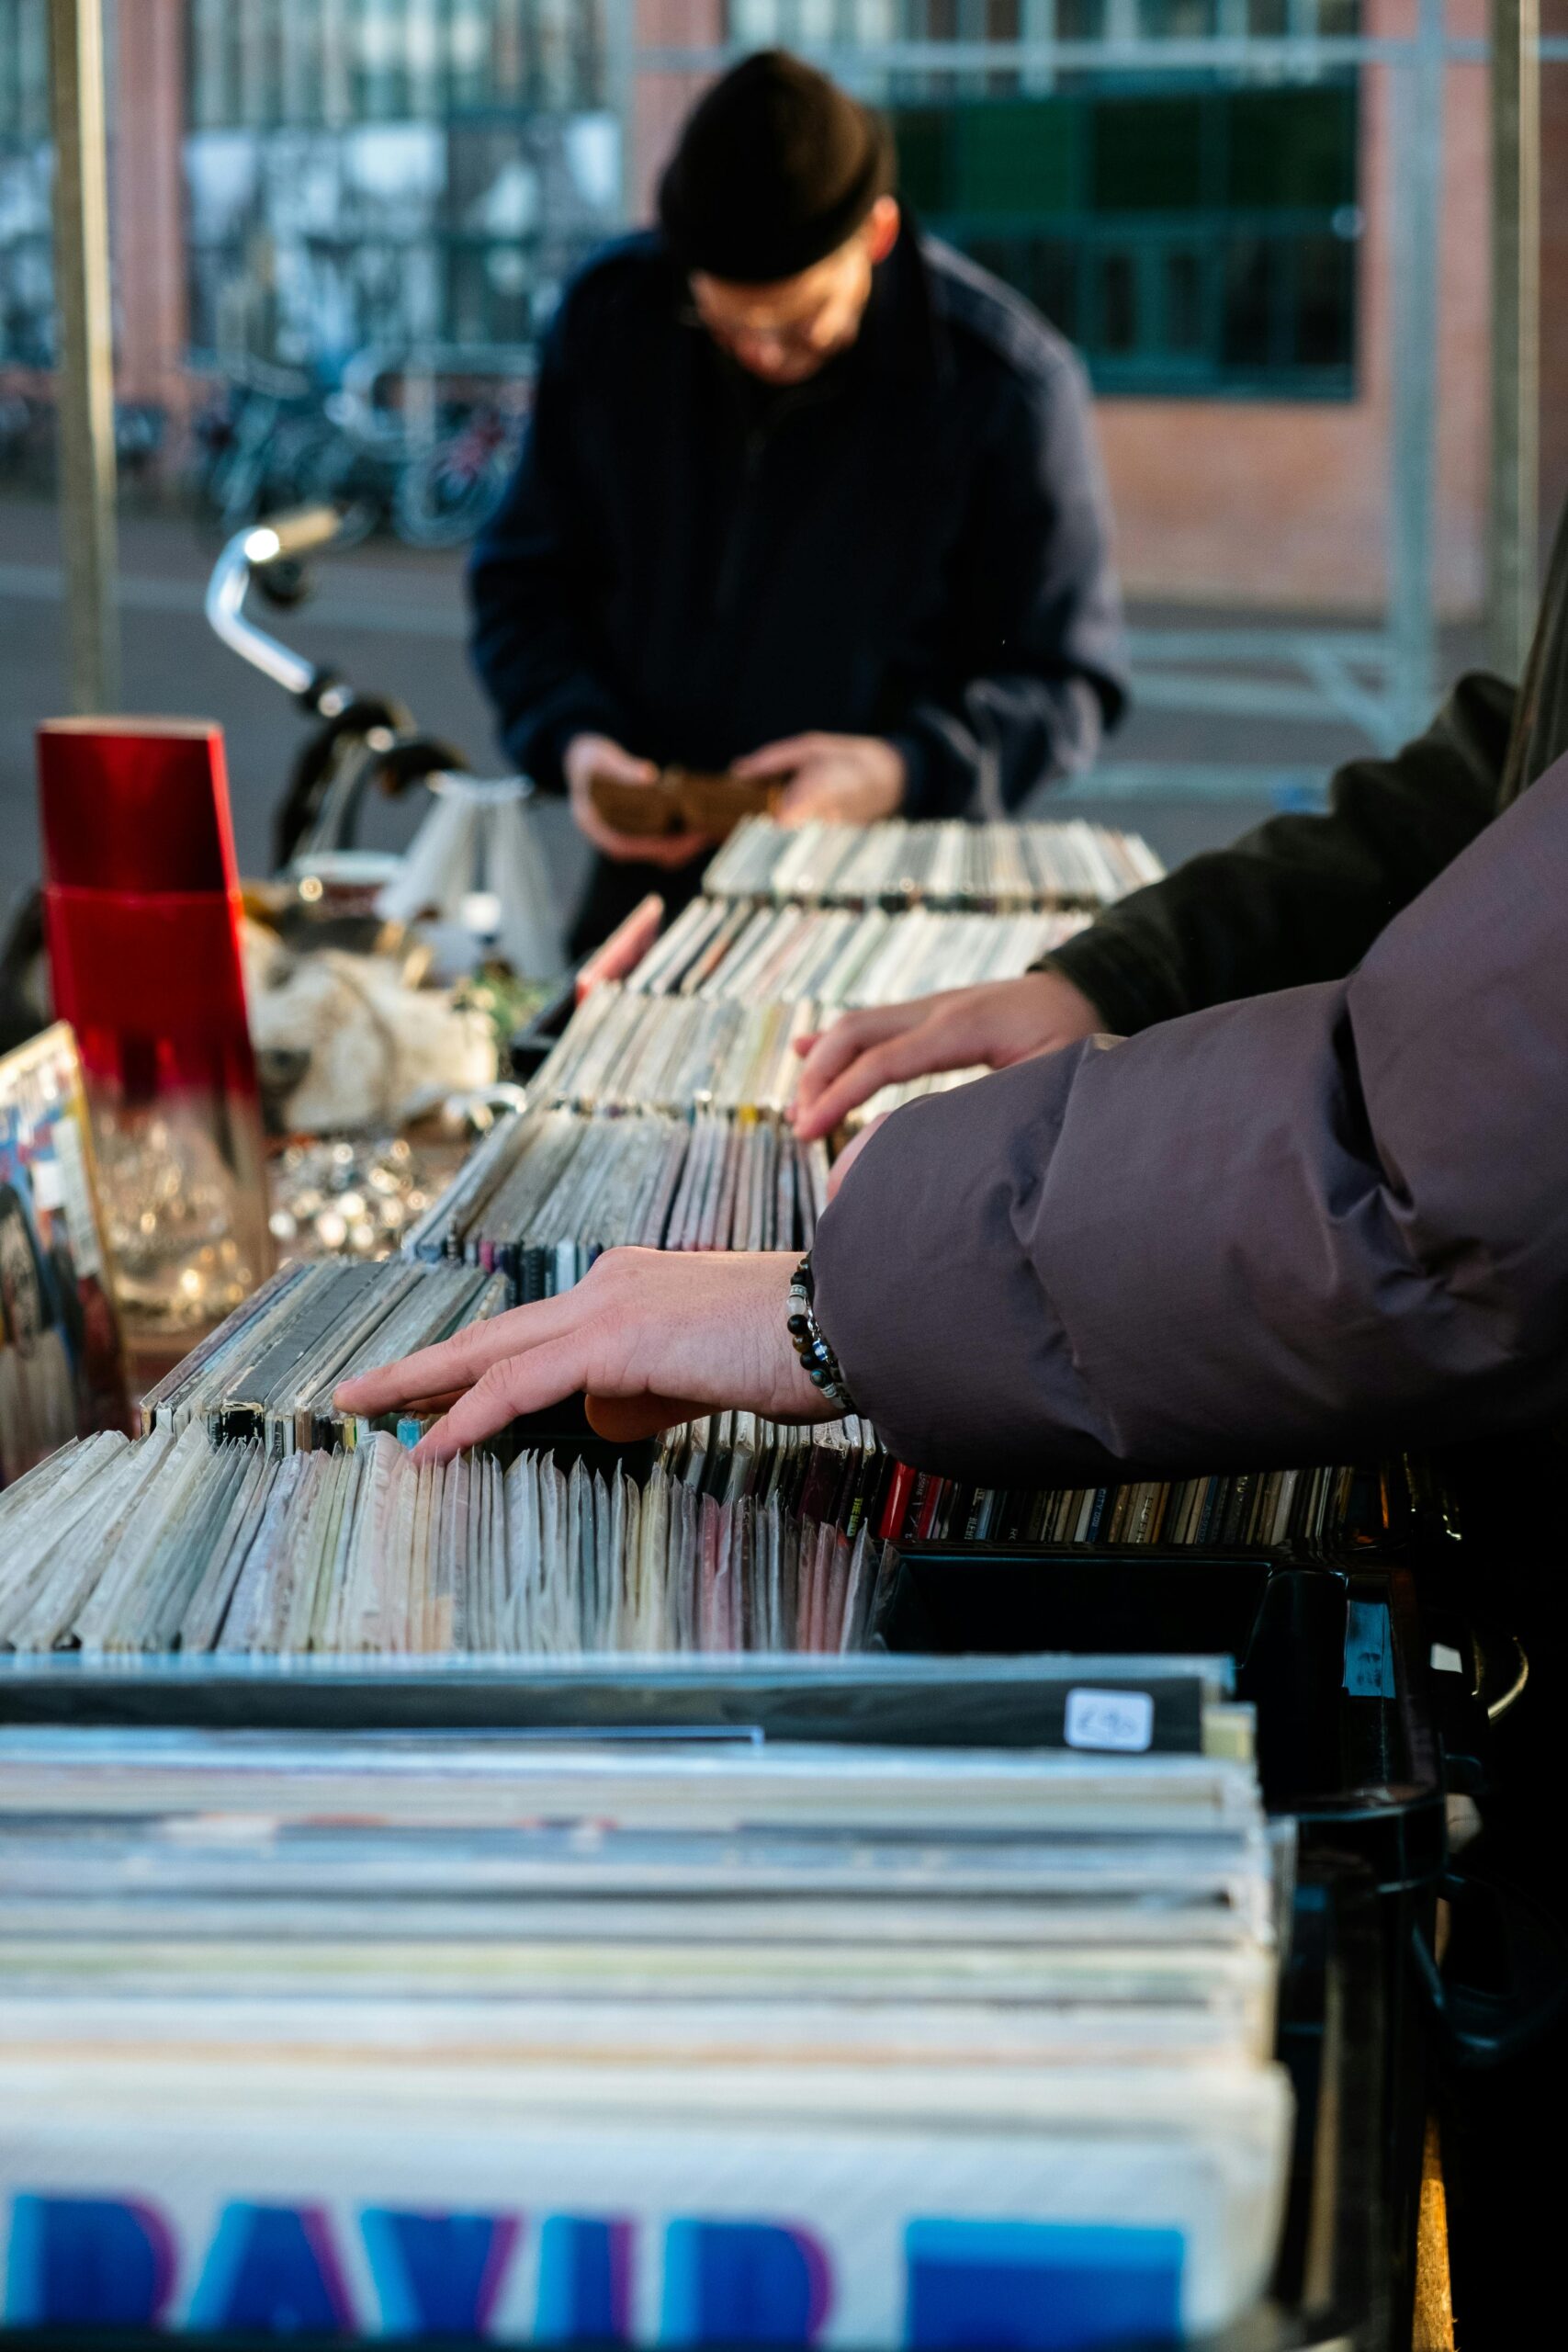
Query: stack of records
pixel 740 1537
pixel 269 1370
pixel 715 1012
pixel 996 866
pixel 555 1189
pixel 834 958
pixel 644 2040
pixel 623 1051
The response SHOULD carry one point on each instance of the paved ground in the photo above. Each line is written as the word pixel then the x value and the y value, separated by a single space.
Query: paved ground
pixel 392 619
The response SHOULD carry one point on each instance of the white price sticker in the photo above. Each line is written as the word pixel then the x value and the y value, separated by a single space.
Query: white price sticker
pixel 1123 1721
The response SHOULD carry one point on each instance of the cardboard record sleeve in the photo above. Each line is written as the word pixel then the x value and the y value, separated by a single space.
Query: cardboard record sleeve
pixel 683 800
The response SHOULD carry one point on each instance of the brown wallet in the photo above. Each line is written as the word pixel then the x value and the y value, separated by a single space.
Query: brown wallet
pixel 682 801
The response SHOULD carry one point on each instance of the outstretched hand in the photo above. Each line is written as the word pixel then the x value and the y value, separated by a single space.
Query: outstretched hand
pixel 654 1337
pixel 995 1025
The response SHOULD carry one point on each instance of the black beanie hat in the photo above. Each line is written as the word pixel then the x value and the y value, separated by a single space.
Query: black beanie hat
pixel 776 167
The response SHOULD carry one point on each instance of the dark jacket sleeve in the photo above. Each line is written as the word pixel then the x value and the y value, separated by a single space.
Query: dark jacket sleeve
pixel 1033 595
pixel 1298 1226
pixel 1301 897
pixel 531 585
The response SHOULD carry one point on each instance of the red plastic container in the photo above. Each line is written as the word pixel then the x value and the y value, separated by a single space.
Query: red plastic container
pixel 141 903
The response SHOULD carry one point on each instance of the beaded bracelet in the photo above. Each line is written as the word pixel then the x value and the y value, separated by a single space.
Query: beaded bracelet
pixel 818 1360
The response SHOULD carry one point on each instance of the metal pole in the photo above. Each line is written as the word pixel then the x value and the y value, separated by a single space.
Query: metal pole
pixel 620 91
pixel 1512 518
pixel 1416 196
pixel 84 350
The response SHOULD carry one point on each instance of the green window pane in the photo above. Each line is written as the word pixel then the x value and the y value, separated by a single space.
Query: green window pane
pixel 1118 303
pixel 925 177
pixel 1054 283
pixel 1183 291
pixel 1017 157
pixel 1177 19
pixel 1293 149
pixel 1325 302
pixel 1147 155
pixel 1246 337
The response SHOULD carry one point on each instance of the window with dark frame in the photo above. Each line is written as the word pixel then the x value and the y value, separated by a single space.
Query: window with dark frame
pixel 1193 241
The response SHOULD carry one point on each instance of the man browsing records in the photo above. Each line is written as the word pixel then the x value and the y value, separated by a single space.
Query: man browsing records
pixel 803 492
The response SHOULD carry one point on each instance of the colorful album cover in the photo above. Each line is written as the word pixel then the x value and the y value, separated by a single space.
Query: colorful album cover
pixel 61 1367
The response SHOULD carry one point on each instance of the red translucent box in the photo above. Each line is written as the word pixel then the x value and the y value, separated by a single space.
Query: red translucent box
pixel 141 905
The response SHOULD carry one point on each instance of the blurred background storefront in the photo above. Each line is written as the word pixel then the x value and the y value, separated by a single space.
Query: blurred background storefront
pixel 297 180
pixel 340 228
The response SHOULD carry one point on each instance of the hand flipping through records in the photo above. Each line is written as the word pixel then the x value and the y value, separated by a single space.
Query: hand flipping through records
pixel 654 1337
pixel 993 1025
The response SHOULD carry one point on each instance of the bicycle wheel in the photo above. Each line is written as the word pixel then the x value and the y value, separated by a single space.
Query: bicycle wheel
pixel 334 472
pixel 446 496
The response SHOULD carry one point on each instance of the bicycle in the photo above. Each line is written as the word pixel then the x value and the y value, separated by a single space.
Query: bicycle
pixel 475 857
pixel 446 496
pixel 259 443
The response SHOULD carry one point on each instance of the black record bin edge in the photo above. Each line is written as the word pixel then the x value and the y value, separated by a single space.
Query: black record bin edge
pixel 1358 1765
pixel 907 1701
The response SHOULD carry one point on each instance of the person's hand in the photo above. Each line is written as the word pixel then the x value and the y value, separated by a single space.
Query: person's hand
pixel 653 1336
pixel 587 756
pixel 997 1023
pixel 834 779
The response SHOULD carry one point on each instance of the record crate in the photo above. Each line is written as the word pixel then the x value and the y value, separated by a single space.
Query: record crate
pixel 1366 1713
pixel 981 1646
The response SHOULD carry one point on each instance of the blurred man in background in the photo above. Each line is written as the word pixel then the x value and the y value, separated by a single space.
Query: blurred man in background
pixel 803 494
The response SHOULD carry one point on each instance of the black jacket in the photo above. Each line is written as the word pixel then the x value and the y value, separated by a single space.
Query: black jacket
pixel 1304 898
pixel 915 544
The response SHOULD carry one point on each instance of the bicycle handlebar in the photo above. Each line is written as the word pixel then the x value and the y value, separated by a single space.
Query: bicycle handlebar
pixel 246 553
pixel 299 532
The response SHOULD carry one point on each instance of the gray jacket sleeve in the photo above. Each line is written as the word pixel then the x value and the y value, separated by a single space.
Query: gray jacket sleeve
pixel 1293 1226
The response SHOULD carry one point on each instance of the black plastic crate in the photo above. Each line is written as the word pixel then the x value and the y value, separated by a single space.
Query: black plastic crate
pixel 1332 1656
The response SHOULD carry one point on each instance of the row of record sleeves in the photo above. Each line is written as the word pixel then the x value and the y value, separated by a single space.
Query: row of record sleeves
pixel 840 956
pixel 234 1539
pixel 251 1517
pixel 718 1014
pixel 737 1536
pixel 1000 867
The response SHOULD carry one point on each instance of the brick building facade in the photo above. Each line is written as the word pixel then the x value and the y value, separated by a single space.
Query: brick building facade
pixel 1220 246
